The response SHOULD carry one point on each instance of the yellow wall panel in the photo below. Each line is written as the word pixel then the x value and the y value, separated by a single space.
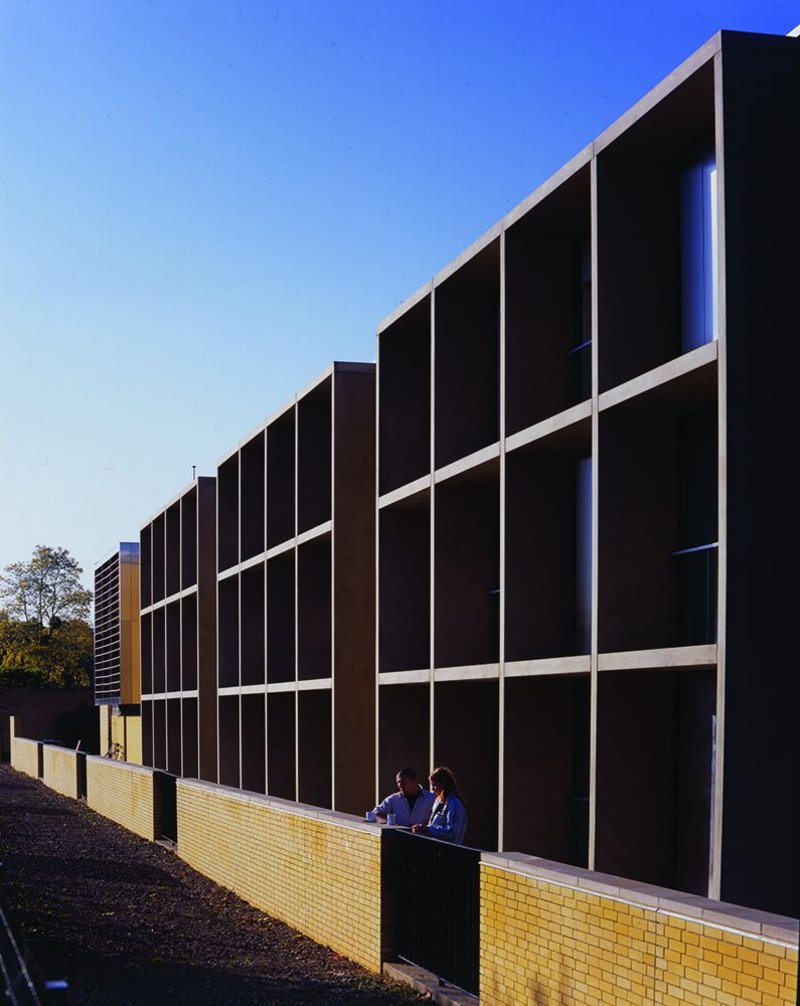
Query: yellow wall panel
pixel 319 874
pixel 61 770
pixel 548 943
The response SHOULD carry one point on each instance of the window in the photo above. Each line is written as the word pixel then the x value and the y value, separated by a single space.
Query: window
pixel 698 198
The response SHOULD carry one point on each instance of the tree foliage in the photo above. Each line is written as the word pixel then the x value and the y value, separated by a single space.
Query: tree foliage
pixel 48 586
pixel 45 638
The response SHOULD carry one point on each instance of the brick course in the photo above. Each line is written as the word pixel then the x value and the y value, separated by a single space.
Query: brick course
pixel 549 934
pixel 547 939
pixel 122 792
pixel 317 870
pixel 61 770
pixel 25 755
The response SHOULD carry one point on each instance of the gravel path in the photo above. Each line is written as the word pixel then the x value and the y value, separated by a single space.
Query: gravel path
pixel 130 924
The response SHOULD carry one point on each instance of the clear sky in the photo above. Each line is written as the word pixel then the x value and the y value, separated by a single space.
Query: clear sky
pixel 203 204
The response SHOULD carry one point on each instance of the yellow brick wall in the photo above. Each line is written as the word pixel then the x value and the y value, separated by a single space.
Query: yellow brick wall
pixel 127 732
pixel 122 792
pixel 133 748
pixel 320 873
pixel 555 944
pixel 61 770
pixel 696 963
pixel 25 756
pixel 104 713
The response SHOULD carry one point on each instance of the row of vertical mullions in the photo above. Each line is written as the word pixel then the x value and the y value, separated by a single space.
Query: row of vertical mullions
pixel 297 539
pixel 164 604
pixel 595 440
pixel 108 611
pixel 502 528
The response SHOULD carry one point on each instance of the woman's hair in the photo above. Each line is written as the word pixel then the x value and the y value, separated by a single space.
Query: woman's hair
pixel 445 778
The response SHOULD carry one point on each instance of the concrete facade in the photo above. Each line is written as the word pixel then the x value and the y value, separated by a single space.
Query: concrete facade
pixel 178 625
pixel 296 596
pixel 580 428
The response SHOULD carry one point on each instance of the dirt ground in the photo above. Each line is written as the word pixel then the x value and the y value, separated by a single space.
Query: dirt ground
pixel 127 923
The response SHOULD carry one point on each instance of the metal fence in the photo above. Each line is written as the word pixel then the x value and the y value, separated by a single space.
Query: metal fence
pixel 166 806
pixel 435 894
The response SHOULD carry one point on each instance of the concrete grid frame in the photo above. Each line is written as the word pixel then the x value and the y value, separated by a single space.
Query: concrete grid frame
pixel 570 573
pixel 296 595
pixel 585 559
pixel 178 628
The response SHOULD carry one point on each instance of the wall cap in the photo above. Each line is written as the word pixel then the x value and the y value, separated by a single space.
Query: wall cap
pixel 130 766
pixel 693 907
pixel 332 817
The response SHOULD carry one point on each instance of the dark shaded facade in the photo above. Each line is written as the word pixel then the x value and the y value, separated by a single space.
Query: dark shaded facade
pixel 556 576
pixel 178 626
pixel 581 427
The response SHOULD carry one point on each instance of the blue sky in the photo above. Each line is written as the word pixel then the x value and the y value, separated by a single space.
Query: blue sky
pixel 203 204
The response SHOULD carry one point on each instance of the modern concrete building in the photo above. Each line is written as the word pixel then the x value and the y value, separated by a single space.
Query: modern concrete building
pixel 178 624
pixel 296 594
pixel 583 431
pixel 117 667
pixel 584 425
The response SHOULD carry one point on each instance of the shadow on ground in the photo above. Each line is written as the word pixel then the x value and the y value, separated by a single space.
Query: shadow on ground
pixel 127 923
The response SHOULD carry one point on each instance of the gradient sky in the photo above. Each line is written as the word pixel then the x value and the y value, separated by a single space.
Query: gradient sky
pixel 203 204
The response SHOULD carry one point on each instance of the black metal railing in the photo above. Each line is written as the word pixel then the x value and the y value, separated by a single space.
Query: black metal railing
pixel 166 806
pixel 436 899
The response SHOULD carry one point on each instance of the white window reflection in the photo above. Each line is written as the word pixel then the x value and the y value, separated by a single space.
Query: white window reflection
pixel 699 253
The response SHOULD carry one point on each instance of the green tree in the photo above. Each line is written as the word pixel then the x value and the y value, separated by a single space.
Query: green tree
pixel 46 587
pixel 45 638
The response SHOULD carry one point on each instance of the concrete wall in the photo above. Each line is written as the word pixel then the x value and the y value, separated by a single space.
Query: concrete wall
pixel 65 714
pixel 317 870
pixel 555 935
pixel 122 792
pixel 61 770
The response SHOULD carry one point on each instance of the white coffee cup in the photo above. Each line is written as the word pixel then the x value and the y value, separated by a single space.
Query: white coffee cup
pixel 370 815
pixel 391 818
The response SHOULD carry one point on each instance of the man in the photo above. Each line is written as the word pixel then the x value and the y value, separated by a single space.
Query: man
pixel 411 804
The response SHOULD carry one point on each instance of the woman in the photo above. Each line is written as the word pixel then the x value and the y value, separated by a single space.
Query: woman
pixel 448 820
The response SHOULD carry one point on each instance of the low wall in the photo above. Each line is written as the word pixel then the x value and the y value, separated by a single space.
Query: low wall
pixel 317 870
pixel 122 792
pixel 549 934
pixel 61 770
pixel 24 753
pixel 552 934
